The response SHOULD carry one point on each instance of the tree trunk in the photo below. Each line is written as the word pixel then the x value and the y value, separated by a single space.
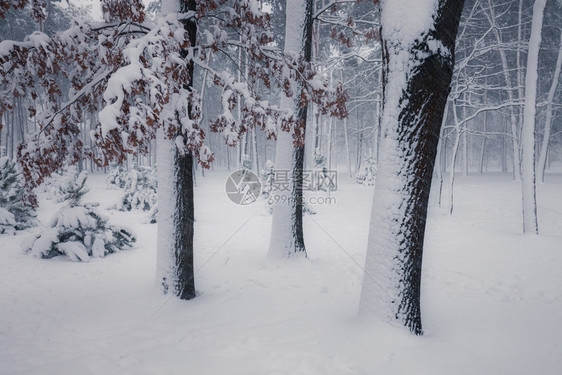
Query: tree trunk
pixel 175 220
pixel 415 89
pixel 529 194
pixel 548 120
pixel 509 85
pixel 454 154
pixel 175 198
pixel 348 152
pixel 359 152
pixel 287 232
pixel 255 160
pixel 439 171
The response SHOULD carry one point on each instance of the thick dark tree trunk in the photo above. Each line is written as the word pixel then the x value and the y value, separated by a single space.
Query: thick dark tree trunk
pixel 299 152
pixel 184 188
pixel 183 221
pixel 298 155
pixel 417 77
pixel 176 203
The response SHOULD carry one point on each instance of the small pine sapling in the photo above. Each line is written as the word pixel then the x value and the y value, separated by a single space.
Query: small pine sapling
pixel 77 230
pixel 74 188
pixel 141 190
pixel 7 222
pixel 62 183
pixel 14 214
pixel 117 177
pixel 319 159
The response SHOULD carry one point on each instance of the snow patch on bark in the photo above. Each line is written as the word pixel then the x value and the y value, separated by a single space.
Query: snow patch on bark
pixel 404 21
pixel 282 241
pixel 165 275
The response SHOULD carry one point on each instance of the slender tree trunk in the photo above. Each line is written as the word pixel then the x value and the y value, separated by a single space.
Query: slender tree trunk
pixel 12 136
pixel 485 126
pixel 348 152
pixel 509 86
pixel 465 162
pixel 346 138
pixel 415 88
pixel 441 150
pixel 529 193
pixel 287 237
pixel 359 152
pixel 255 153
pixel 520 76
pixel 548 120
pixel 465 138
pixel 454 154
pixel 482 154
pixel 330 141
pixel 175 198
pixel 504 150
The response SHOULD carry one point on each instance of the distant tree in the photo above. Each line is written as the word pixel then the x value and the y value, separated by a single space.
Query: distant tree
pixel 287 238
pixel 541 166
pixel 528 130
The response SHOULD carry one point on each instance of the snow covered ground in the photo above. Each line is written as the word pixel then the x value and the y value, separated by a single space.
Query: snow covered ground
pixel 492 297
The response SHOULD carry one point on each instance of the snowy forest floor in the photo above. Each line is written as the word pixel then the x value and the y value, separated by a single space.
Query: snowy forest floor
pixel 491 297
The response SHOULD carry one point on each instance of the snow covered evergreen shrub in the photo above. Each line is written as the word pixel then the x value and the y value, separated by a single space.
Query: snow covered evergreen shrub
pixel 140 190
pixel 14 215
pixel 58 185
pixel 78 231
pixel 117 177
pixel 319 159
pixel 74 187
pixel 366 175
pixel 7 222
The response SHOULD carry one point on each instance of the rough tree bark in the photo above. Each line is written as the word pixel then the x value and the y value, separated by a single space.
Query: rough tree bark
pixel 175 197
pixel 418 58
pixel 287 230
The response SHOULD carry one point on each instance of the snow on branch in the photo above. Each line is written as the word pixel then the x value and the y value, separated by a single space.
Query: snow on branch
pixel 37 8
pixel 139 76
